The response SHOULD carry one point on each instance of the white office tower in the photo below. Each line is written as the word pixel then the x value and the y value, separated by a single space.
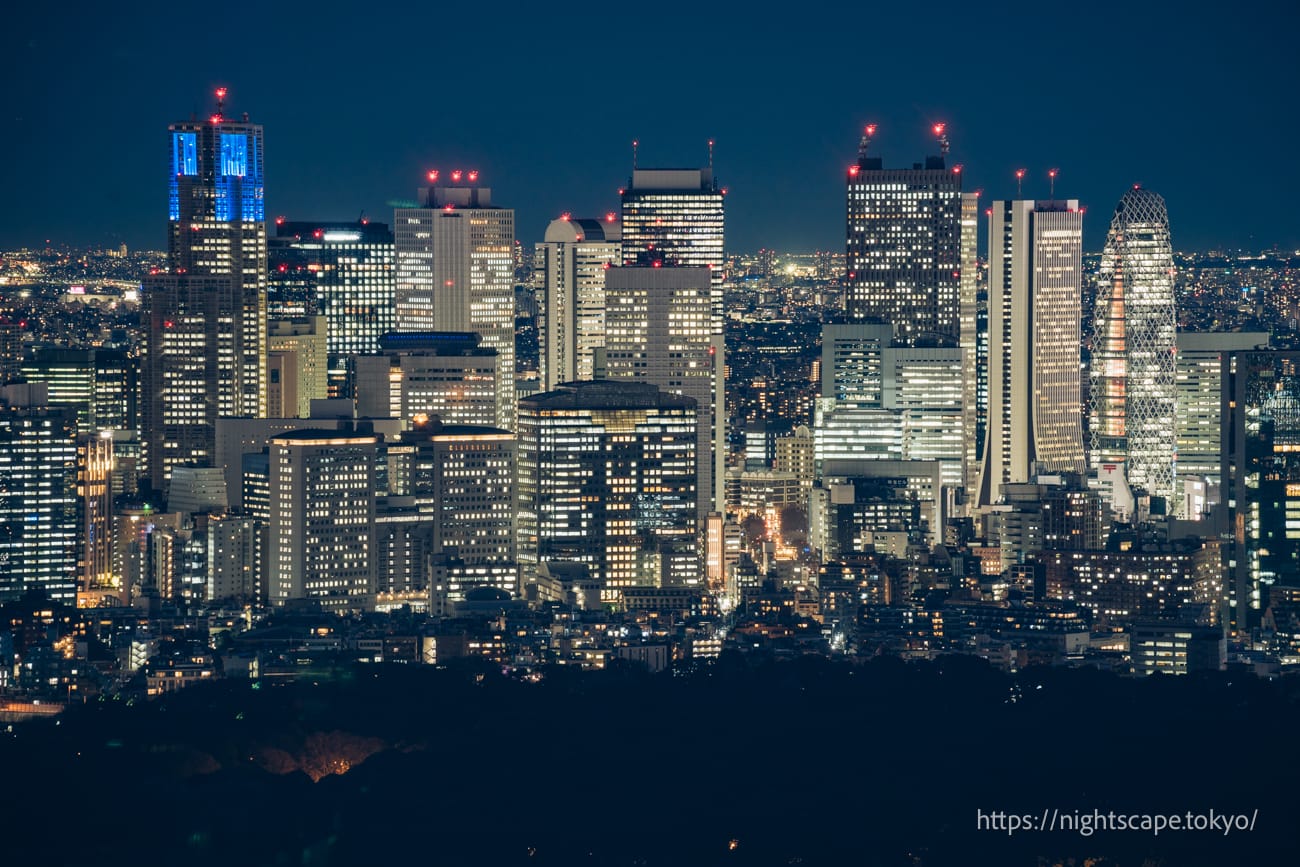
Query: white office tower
pixel 569 273
pixel 884 402
pixel 973 314
pixel 322 523
pixel 455 271
pixel 658 330
pixel 1134 392
pixel 1200 415
pixel 297 365
pixel 419 376
pixel 1035 283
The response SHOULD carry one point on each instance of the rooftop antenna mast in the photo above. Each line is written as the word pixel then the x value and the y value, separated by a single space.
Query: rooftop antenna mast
pixel 710 154
pixel 1051 174
pixel 941 133
pixel 867 134
pixel 1020 177
pixel 634 144
pixel 221 101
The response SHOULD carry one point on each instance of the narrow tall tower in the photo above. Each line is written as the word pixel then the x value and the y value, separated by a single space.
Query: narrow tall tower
pixel 1134 389
pixel 1035 279
pixel 569 268
pixel 206 318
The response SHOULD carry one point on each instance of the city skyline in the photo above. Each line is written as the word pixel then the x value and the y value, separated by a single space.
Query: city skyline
pixel 784 118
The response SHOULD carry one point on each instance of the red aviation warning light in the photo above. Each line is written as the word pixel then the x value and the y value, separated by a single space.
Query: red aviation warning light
pixel 941 132
pixel 279 221
pixel 566 216
pixel 433 176
pixel 456 175
pixel 473 176
pixel 609 216
pixel 853 171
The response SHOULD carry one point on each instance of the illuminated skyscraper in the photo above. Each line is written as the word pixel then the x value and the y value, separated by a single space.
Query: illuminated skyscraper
pixel 322 519
pixel 421 376
pixel 342 271
pixel 296 365
pixel 1134 392
pixel 100 383
pixel 903 252
pixel 455 271
pixel 463 483
pixel 607 481
pixel 1035 283
pixel 882 401
pixel 205 321
pixel 974 342
pixel 1261 478
pixel 658 330
pixel 39 506
pixel 1200 414
pixel 95 510
pixel 569 268
pixel 676 216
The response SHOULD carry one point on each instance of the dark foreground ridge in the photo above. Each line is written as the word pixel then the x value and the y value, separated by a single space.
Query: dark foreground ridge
pixel 806 762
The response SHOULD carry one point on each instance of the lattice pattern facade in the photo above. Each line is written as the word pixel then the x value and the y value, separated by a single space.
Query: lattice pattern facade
pixel 1134 389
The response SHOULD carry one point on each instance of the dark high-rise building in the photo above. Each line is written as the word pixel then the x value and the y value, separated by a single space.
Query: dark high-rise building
pixel 205 320
pixel 607 482
pixel 675 216
pixel 38 498
pixel 657 331
pixel 342 271
pixel 100 383
pixel 1261 477
pixel 903 253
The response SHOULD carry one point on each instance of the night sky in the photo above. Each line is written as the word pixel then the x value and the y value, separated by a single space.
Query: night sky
pixel 1196 102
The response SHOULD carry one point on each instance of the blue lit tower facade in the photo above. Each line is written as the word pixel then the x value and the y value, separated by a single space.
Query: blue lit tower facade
pixel 206 318
pixel 1134 383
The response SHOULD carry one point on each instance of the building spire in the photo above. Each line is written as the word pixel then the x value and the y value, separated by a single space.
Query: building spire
pixel 867 133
